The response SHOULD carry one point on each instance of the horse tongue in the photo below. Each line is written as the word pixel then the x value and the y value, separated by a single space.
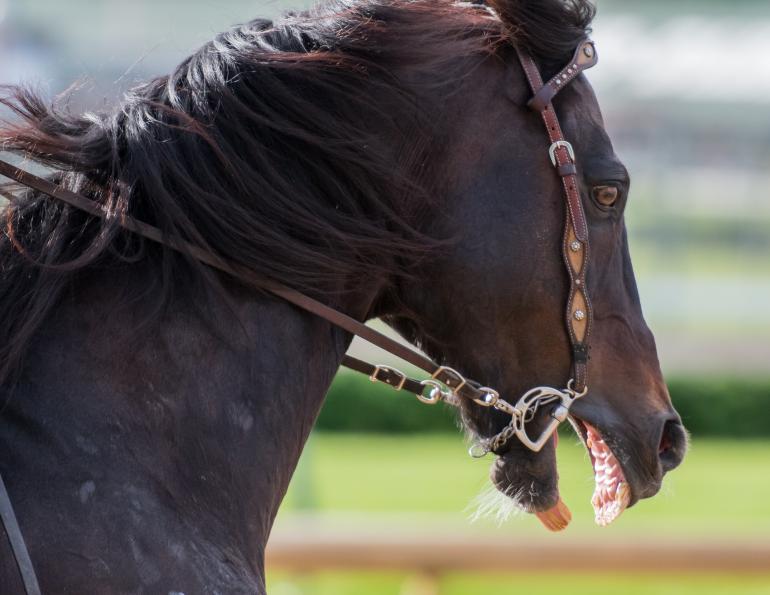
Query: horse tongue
pixel 555 518
pixel 558 516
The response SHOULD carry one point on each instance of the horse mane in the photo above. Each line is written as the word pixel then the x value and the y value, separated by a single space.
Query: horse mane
pixel 294 148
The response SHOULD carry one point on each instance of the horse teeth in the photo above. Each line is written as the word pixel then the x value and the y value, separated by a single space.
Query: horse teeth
pixel 611 493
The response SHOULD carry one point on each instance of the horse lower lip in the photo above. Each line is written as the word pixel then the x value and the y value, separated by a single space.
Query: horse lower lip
pixel 558 517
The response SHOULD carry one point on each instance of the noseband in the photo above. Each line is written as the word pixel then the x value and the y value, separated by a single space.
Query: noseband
pixel 445 383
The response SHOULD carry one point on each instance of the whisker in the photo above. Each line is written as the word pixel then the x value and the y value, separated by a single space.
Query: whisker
pixel 493 504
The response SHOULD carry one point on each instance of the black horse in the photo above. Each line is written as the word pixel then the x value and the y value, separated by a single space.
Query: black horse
pixel 375 154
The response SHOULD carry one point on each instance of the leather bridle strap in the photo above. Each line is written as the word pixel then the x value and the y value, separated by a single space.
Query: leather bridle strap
pixel 575 247
pixel 16 541
pixel 447 376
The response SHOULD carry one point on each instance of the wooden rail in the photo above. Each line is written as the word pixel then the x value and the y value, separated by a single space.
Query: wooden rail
pixel 312 550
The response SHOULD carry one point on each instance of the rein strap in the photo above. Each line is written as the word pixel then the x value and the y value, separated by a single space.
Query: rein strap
pixel 451 378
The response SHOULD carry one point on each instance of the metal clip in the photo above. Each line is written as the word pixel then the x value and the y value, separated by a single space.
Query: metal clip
pixel 437 392
pixel 491 396
pixel 478 450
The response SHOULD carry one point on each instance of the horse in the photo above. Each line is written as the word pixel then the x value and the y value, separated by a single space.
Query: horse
pixel 376 155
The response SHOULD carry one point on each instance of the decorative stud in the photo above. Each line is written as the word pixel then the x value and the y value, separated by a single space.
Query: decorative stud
pixel 588 50
pixel 578 282
pixel 579 315
pixel 575 246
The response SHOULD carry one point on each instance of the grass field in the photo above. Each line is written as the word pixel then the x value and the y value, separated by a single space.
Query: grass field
pixel 521 584
pixel 720 493
pixel 722 489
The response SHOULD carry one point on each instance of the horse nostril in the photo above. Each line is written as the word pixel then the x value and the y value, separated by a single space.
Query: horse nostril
pixel 673 444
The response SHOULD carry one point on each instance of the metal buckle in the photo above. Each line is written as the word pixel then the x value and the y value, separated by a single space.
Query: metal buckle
pixel 560 143
pixel 452 372
pixel 378 368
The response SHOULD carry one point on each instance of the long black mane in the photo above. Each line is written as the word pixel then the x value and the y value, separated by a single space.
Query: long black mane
pixel 296 149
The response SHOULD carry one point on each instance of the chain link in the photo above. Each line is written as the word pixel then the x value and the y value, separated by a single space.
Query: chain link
pixel 519 419
pixel 517 423
pixel 521 414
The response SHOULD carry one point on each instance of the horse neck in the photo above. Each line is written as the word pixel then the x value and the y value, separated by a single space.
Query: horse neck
pixel 212 426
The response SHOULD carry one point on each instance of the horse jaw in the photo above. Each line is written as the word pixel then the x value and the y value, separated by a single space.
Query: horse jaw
pixel 534 481
pixel 534 487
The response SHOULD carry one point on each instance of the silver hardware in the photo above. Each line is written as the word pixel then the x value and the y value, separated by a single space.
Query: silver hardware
pixel 575 246
pixel 478 450
pixel 437 392
pixel 579 315
pixel 571 390
pixel 490 398
pixel 524 412
pixel 378 368
pixel 505 407
pixel 528 406
pixel 556 145
pixel 560 413
pixel 588 50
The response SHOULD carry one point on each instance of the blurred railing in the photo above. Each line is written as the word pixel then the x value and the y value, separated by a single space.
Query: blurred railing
pixel 426 556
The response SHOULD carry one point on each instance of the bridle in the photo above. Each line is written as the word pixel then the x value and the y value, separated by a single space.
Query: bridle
pixel 445 383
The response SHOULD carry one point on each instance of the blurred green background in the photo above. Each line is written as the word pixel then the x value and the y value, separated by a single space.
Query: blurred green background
pixel 685 89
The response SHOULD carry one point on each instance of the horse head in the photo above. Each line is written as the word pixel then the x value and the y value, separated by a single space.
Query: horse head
pixel 493 304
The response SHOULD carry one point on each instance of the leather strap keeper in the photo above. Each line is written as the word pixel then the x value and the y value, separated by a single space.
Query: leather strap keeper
pixel 584 57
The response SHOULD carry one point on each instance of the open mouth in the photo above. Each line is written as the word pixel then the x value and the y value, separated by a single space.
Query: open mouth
pixel 612 493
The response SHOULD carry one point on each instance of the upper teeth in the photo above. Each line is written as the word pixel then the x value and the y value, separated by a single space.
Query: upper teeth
pixel 611 494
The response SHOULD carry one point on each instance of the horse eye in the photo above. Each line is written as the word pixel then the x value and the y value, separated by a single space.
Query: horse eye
pixel 606 196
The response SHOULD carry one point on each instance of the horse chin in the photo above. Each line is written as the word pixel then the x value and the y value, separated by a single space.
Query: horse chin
pixel 532 481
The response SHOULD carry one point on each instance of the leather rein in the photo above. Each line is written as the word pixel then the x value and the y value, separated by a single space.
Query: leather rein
pixel 445 383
